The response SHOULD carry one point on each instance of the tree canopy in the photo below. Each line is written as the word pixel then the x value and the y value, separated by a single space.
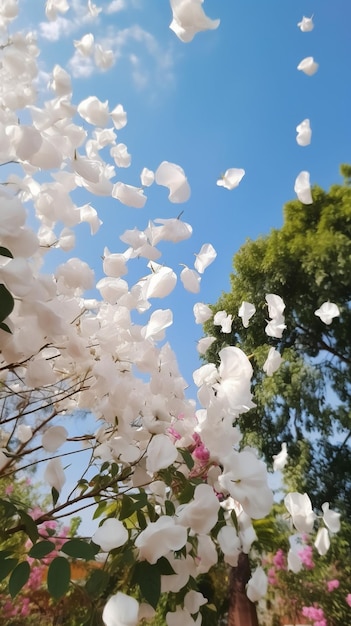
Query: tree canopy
pixel 306 403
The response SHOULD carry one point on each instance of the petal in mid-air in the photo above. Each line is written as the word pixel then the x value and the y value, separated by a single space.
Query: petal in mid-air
pixel 302 188
pixel 306 24
pixel 189 18
pixel 308 66
pixel 231 178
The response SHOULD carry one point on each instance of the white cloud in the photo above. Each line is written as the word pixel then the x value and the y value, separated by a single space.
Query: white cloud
pixel 61 27
pixel 80 66
pixel 115 6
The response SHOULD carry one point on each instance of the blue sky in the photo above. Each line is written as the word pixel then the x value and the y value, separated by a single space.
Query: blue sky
pixel 230 98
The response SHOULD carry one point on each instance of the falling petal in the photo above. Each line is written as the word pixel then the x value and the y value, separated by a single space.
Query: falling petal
pixel 302 188
pixel 308 66
pixel 231 178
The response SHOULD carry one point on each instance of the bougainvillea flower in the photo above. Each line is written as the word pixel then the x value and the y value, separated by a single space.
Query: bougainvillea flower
pixel 147 177
pixel 202 312
pixel 205 257
pixel 331 518
pixel 190 279
pixel 54 474
pixel 161 453
pixel 93 111
pixel 257 585
pixel 129 195
pixel 322 541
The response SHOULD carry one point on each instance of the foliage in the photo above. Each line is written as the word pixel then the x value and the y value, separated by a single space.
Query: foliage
pixel 306 403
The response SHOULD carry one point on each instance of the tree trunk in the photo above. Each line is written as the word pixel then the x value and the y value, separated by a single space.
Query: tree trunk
pixel 242 612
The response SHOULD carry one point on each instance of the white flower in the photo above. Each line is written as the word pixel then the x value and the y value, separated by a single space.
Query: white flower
pixel 327 312
pixel 190 279
pixel 161 453
pixel 24 433
pixel 231 178
pixel 225 321
pixel 201 514
pixel 111 534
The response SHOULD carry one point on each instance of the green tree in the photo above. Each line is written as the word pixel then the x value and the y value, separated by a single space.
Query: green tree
pixel 307 402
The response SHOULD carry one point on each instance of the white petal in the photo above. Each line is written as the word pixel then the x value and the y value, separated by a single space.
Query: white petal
pixel 161 453
pixel 308 66
pixel 53 438
pixel 231 178
pixel 280 460
pixel 272 362
pixel 300 508
pixel 129 195
pixel 121 610
pixel 322 542
pixel 327 312
pixel 147 177
pixel 202 312
pixel 331 518
pixel 111 534
pixel 54 474
pixel 172 176
pixel 302 188
pixel 24 433
pixel 94 111
pixel 119 117
pixel 306 24
pixel 304 133
pixel 190 279
pixel 205 257
pixel 189 18
pixel 204 344
pixel 246 311
pixel 257 585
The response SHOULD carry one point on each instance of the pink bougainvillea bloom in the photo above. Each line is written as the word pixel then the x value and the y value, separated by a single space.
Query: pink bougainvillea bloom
pixel 348 599
pixel 332 584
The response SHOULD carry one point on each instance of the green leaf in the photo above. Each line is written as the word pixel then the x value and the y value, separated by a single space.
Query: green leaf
pixel 9 508
pixel 59 574
pixel 187 457
pixel 127 508
pixel 18 578
pixel 6 566
pixel 164 566
pixel 186 493
pixel 97 582
pixel 6 252
pixel 6 302
pixel 41 549
pixel 148 577
pixel 170 508
pixel 5 327
pixel 79 549
pixel 55 495
pixel 30 526
pixel 141 520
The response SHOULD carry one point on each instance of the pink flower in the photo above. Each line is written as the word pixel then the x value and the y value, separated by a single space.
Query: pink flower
pixel 348 599
pixel 271 575
pixel 9 490
pixel 332 584
pixel 279 560
pixel 306 557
